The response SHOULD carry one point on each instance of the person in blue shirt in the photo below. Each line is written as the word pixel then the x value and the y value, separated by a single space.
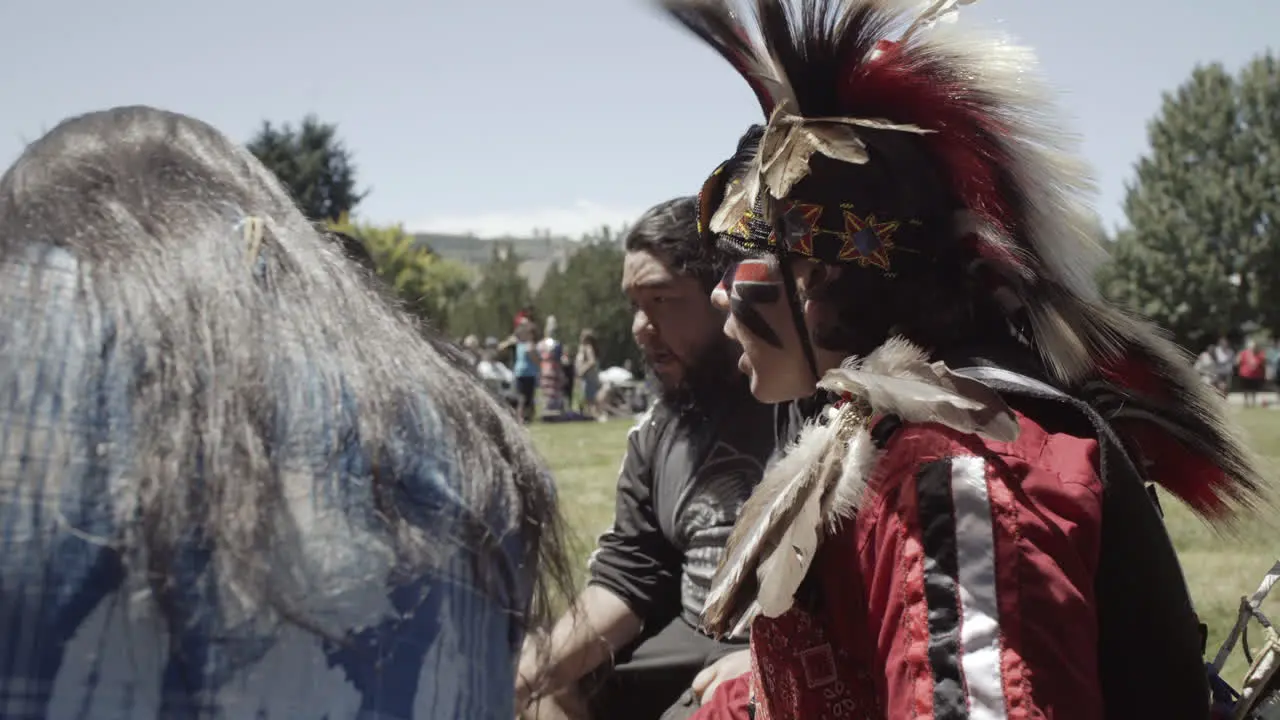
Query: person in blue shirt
pixel 235 480
pixel 525 365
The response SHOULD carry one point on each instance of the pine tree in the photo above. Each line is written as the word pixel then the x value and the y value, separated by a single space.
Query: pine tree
pixel 1192 254
pixel 491 305
pixel 1259 89
pixel 313 164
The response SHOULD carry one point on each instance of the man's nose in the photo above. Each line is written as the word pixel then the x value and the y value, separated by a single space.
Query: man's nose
pixel 641 327
pixel 720 298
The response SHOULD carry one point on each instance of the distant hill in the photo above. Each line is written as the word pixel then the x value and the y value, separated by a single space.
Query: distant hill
pixel 536 253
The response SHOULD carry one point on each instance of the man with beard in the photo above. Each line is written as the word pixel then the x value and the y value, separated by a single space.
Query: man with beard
pixel 631 647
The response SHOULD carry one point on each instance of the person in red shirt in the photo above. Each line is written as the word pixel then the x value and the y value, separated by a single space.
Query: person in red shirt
pixel 964 527
pixel 1253 372
pixel 525 313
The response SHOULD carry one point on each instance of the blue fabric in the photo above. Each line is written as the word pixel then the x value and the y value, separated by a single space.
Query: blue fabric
pixel 82 632
pixel 523 366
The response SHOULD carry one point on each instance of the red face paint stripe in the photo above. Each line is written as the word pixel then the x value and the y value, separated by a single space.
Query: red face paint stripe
pixel 759 271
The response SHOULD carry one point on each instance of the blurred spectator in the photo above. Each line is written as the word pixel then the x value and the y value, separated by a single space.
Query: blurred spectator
pixel 587 366
pixel 524 365
pixel 551 369
pixel 1224 364
pixel 471 349
pixel 1253 372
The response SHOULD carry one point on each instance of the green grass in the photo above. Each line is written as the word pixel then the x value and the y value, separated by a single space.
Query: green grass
pixel 586 456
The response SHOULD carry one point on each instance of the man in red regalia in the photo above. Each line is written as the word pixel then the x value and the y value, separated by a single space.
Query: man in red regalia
pixel 968 527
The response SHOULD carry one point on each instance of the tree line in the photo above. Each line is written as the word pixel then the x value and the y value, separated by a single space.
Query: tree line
pixel 1199 253
pixel 455 298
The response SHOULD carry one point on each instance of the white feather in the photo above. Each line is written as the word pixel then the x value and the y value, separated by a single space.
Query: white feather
pixel 784 568
pixel 900 393
pixel 897 380
pixel 1047 164
pixel 784 482
pixel 843 500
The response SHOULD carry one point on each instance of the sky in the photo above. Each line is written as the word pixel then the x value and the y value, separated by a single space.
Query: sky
pixel 500 116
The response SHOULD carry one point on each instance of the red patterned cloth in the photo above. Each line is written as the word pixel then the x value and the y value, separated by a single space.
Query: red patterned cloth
pixel 803 671
pixel 730 701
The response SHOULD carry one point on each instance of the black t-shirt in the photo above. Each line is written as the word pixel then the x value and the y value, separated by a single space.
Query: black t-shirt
pixel 682 485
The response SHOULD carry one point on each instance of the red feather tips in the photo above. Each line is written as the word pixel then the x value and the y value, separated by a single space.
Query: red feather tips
pixel 908 85
pixel 1186 449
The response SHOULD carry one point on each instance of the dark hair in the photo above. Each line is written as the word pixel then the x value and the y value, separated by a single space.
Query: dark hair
pixel 669 230
pixel 206 378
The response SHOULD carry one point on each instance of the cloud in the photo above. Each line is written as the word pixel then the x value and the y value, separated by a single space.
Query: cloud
pixel 573 221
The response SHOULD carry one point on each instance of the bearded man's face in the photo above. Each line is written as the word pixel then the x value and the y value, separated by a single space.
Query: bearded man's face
pixel 676 326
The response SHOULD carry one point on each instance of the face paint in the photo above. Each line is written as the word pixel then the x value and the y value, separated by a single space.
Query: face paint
pixel 750 284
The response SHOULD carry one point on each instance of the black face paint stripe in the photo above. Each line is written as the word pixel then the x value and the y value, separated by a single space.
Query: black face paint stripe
pixel 746 313
pixel 758 293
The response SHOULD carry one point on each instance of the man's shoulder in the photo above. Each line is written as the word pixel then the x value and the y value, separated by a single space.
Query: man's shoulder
pixel 738 421
pixel 650 427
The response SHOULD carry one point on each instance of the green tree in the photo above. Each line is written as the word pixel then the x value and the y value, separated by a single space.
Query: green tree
pixel 1197 241
pixel 313 164
pixel 1259 92
pixel 587 293
pixel 491 304
pixel 430 285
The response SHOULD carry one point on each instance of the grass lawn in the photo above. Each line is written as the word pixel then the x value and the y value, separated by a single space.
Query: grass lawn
pixel 586 456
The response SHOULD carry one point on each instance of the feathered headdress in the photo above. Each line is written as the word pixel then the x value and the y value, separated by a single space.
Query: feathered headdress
pixel 941 147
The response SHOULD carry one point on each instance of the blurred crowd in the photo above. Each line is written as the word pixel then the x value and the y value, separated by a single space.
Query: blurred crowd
pixel 540 376
pixel 1248 370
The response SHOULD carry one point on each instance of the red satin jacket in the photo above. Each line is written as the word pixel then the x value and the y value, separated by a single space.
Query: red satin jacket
pixel 962 588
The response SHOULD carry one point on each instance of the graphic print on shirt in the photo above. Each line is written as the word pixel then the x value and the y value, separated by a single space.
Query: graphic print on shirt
pixel 705 514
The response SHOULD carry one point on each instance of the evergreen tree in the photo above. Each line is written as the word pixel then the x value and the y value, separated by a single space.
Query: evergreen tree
pixel 587 293
pixel 313 164
pixel 491 305
pixel 1192 256
pixel 1259 90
